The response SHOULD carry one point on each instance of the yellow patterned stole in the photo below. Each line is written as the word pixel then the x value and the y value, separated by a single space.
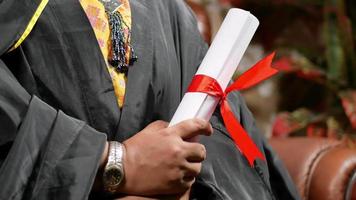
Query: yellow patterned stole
pixel 95 12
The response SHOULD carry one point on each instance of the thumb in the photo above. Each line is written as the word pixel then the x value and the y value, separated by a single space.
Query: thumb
pixel 191 128
pixel 157 125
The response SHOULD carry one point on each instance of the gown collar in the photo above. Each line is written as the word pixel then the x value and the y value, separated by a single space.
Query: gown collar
pixel 16 20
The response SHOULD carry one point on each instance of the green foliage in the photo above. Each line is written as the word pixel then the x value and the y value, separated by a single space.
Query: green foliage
pixel 315 36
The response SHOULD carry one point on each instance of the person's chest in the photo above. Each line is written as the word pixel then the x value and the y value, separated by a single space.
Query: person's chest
pixel 61 62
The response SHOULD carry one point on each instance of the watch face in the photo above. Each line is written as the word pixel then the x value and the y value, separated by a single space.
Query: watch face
pixel 113 175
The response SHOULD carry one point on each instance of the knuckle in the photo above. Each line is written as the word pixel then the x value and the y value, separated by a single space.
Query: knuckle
pixel 176 151
pixel 199 124
pixel 176 180
pixel 164 132
pixel 203 151
pixel 200 151
pixel 161 123
pixel 179 181
pixel 202 148
pixel 190 123
pixel 187 183
pixel 185 186
pixel 173 178
pixel 198 169
pixel 194 170
pixel 210 129
pixel 164 123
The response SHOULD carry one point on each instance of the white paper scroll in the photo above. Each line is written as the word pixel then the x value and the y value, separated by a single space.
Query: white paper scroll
pixel 220 63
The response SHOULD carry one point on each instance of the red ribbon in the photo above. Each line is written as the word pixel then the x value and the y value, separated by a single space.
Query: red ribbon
pixel 205 84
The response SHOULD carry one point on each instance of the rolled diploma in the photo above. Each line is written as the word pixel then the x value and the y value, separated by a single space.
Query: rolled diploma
pixel 220 63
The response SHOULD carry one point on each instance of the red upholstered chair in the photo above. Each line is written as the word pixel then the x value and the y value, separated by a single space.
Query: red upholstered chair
pixel 322 169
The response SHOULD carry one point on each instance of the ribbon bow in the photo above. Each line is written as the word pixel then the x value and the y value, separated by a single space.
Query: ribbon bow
pixel 205 84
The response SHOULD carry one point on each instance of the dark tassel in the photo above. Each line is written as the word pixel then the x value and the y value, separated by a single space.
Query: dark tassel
pixel 118 59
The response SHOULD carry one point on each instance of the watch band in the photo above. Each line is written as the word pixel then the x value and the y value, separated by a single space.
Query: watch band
pixel 116 152
pixel 114 169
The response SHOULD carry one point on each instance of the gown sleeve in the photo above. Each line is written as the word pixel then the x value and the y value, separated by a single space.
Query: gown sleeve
pixel 44 153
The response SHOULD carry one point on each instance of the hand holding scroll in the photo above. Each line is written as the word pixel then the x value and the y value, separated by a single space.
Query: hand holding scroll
pixel 158 160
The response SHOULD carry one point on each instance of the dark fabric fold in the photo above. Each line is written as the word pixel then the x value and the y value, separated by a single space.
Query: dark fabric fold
pixel 13 24
pixel 51 156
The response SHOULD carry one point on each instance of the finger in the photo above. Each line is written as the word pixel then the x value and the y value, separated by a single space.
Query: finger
pixel 191 170
pixel 157 125
pixel 194 152
pixel 191 128
pixel 189 180
pixel 186 183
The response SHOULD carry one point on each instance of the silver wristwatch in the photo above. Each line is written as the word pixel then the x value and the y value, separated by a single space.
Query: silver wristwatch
pixel 114 169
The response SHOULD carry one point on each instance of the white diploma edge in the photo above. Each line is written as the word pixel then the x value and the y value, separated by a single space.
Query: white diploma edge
pixel 220 63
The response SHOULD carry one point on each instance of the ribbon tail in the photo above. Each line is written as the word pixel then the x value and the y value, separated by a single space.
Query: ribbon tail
pixel 259 72
pixel 242 140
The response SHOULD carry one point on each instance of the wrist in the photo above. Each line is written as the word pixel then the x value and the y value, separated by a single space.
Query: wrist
pixel 129 184
pixel 104 157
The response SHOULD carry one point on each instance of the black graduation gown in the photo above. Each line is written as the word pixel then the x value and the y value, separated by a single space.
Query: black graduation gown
pixel 57 103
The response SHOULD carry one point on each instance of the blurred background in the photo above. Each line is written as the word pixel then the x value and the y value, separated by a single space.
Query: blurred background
pixel 315 95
